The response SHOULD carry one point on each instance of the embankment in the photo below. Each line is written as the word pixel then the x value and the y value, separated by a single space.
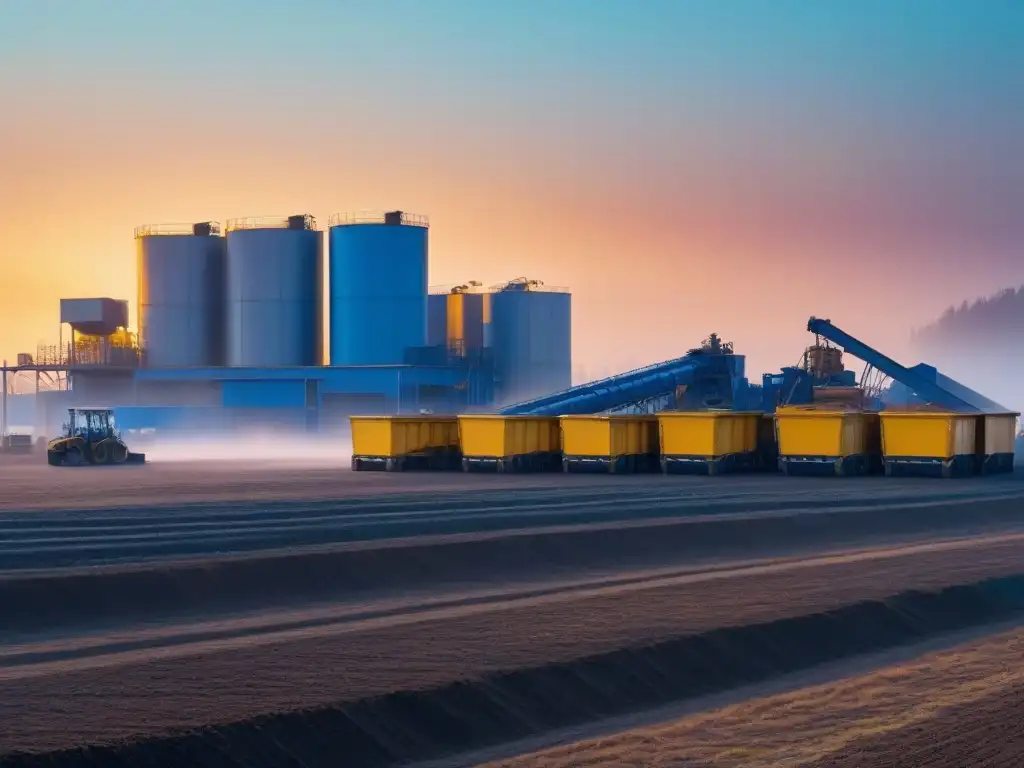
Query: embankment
pixel 414 725
pixel 165 591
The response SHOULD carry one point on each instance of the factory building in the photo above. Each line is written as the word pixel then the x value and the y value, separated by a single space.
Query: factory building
pixel 231 330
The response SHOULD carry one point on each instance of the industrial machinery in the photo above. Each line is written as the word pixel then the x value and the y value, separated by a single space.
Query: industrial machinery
pixel 707 376
pixel 90 437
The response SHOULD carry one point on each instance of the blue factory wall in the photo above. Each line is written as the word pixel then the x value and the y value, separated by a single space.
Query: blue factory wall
pixel 315 398
pixel 378 289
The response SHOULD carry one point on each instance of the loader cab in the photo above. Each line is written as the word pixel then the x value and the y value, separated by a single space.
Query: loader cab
pixel 91 424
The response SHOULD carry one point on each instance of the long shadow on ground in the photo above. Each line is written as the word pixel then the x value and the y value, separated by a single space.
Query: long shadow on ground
pixel 416 725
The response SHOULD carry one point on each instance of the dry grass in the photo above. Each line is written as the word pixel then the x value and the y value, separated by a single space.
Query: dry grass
pixel 814 724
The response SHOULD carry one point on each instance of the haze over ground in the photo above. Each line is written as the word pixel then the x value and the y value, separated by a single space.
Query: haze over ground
pixel 684 167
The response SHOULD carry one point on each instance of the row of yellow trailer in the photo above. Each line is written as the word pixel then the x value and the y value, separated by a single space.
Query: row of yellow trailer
pixel 797 439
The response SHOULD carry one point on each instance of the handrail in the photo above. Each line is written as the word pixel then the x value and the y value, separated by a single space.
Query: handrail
pixel 270 222
pixel 158 230
pixel 378 217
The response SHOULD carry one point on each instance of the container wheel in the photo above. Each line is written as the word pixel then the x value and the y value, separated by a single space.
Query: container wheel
pixel 355 464
pixel 565 466
pixel 390 465
pixel 465 465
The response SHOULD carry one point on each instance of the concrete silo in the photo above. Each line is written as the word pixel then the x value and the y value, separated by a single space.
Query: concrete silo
pixel 378 287
pixel 531 328
pixel 274 292
pixel 181 293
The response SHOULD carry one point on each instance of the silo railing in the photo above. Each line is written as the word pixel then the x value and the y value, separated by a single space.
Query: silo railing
pixel 378 217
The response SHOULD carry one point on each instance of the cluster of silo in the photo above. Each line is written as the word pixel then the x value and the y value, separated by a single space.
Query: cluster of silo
pixel 459 318
pixel 524 325
pixel 254 297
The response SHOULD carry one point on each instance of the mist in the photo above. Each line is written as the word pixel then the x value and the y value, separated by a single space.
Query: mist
pixel 262 447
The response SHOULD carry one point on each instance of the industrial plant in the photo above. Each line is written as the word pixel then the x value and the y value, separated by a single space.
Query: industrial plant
pixel 231 327
pixel 231 332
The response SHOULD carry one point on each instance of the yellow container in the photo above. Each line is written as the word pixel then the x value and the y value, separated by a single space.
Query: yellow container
pixel 996 441
pixel 708 441
pixel 510 443
pixel 611 443
pixel 404 442
pixel 931 442
pixel 833 441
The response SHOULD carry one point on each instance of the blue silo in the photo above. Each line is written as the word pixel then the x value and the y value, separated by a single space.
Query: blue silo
pixel 181 294
pixel 378 287
pixel 274 292
pixel 531 334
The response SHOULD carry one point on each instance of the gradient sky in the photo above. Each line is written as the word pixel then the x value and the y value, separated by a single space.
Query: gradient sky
pixel 685 167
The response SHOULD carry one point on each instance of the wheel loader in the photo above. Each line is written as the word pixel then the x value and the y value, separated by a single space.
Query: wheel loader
pixel 90 438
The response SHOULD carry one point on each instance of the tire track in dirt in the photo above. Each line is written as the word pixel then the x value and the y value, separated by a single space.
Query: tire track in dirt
pixel 131 701
pixel 26 661
pixel 360 571
pixel 399 727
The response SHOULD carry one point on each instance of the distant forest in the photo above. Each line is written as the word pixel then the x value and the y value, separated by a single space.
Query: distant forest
pixel 996 318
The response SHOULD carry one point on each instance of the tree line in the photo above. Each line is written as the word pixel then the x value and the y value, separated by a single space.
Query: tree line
pixel 994 318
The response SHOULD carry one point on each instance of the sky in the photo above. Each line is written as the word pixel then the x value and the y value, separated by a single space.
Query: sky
pixel 684 167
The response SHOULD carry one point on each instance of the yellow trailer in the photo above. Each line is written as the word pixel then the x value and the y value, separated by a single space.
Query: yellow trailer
pixel 609 443
pixel 941 443
pixel 510 443
pixel 708 442
pixel 999 434
pixel 827 441
pixel 396 443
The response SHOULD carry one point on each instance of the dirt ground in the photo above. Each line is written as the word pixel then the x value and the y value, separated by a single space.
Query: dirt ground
pixel 54 704
pixel 28 483
pixel 962 707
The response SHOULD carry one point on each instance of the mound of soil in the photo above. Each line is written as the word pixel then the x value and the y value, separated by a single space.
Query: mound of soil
pixel 85 597
pixel 411 725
